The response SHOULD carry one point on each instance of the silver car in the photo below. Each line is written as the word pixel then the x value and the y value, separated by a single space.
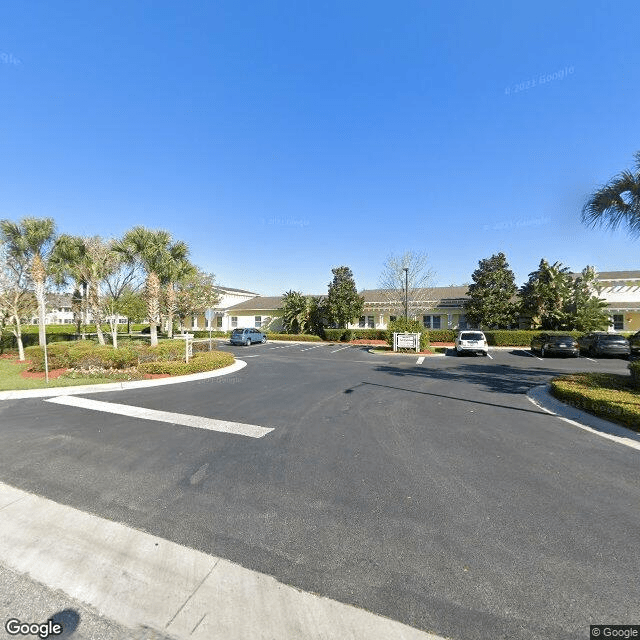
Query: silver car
pixel 247 336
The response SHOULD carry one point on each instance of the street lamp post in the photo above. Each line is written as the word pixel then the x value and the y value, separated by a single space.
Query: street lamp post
pixel 406 292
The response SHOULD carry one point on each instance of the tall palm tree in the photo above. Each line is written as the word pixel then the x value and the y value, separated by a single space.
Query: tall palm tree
pixel 175 269
pixel 32 239
pixel 89 261
pixel 616 202
pixel 153 250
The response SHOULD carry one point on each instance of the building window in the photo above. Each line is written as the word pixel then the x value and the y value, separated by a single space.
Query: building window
pixel 219 322
pixel 392 318
pixel 234 322
pixel 258 322
pixel 361 324
pixel 618 322
pixel 371 322
pixel 431 322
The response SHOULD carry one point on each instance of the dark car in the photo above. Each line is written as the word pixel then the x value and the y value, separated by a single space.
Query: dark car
pixel 548 344
pixel 609 344
pixel 585 341
pixel 634 345
pixel 247 336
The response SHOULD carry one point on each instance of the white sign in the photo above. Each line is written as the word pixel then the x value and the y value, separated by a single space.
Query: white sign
pixel 208 314
pixel 406 341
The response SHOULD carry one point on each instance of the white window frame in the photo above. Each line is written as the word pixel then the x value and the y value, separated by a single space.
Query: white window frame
pixel 234 322
pixel 618 321
pixel 258 321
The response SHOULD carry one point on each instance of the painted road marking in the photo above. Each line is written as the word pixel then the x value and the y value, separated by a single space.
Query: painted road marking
pixel 314 347
pixel 197 422
pixel 591 359
pixel 420 360
pixel 489 355
pixel 139 579
pixel 341 348
pixel 530 353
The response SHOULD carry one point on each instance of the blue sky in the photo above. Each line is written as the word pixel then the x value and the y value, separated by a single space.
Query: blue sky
pixel 281 139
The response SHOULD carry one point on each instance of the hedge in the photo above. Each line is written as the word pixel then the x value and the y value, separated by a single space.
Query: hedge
pixel 634 367
pixel 608 396
pixel 442 335
pixel 82 354
pixel 205 334
pixel 206 361
pixel 519 337
pixel 345 335
pixel 302 337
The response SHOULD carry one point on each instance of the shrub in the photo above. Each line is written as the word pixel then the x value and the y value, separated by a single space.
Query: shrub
pixel 442 335
pixel 634 367
pixel 302 337
pixel 609 396
pixel 214 334
pixel 207 361
pixel 368 334
pixel 519 337
pixel 81 354
pixel 402 325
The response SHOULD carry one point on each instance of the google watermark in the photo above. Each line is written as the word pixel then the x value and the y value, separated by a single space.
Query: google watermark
pixel 544 78
pixel 8 58
pixel 15 627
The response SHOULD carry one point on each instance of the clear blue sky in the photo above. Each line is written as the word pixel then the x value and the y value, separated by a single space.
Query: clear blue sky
pixel 281 139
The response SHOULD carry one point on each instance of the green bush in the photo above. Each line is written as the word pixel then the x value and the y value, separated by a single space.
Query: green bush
pixel 519 337
pixel 81 354
pixel 442 335
pixel 207 361
pixel 302 337
pixel 368 334
pixel 214 334
pixel 609 396
pixel 402 325
pixel 634 367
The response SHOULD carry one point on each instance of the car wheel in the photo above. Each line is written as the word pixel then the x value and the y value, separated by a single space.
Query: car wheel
pixel 248 342
pixel 264 339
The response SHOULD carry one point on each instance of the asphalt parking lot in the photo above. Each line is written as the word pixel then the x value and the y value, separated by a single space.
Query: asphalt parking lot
pixel 435 494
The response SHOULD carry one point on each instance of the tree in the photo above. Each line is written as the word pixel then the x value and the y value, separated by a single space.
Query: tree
pixel 546 296
pixel 344 305
pixel 150 249
pixel 195 293
pixel 490 295
pixel 16 295
pixel 588 309
pixel 32 241
pixel 418 295
pixel 616 202
pixel 130 303
pixel 295 312
pixel 176 268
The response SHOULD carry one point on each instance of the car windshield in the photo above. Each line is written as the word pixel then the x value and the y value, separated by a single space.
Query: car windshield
pixel 471 336
pixel 237 331
pixel 562 338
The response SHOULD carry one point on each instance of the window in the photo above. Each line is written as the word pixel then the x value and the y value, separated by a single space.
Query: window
pixel 618 321
pixel 361 324
pixel 371 322
pixel 219 322
pixel 392 318
pixel 234 321
pixel 258 321
pixel 431 322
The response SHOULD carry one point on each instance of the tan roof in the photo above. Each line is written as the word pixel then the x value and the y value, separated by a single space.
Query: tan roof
pixel 230 290
pixel 614 275
pixel 441 296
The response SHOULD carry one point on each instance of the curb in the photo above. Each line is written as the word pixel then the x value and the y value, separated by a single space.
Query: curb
pixel 119 386
pixel 542 398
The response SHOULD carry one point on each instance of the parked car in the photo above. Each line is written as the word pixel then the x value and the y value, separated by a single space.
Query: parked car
pixel 585 341
pixel 471 342
pixel 634 345
pixel 247 336
pixel 609 344
pixel 547 344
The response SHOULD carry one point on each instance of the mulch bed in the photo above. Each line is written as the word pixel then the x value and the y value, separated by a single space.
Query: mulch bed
pixel 53 373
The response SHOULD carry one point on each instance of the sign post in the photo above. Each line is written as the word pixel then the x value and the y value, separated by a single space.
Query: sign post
pixel 208 314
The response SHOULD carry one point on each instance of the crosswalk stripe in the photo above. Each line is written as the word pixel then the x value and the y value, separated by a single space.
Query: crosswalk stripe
pixel 197 422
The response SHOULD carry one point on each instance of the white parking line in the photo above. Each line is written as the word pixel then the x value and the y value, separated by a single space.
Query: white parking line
pixel 590 359
pixel 529 353
pixel 489 355
pixel 198 422
pixel 420 360
pixel 341 348
pixel 314 347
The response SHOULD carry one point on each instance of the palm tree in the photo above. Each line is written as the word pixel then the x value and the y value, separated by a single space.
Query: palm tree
pixel 32 240
pixel 153 250
pixel 616 202
pixel 175 269
pixel 89 261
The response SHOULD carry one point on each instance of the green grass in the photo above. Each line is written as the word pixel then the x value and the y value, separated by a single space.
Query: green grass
pixel 606 395
pixel 10 378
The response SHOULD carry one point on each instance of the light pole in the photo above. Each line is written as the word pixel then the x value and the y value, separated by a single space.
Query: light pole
pixel 406 292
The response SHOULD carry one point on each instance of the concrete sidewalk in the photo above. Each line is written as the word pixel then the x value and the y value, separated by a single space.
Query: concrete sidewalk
pixel 142 581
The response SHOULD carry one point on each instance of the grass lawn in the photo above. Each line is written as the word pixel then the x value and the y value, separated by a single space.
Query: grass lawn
pixel 607 395
pixel 11 379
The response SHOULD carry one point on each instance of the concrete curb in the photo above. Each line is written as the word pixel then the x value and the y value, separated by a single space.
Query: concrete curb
pixel 119 386
pixel 542 398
